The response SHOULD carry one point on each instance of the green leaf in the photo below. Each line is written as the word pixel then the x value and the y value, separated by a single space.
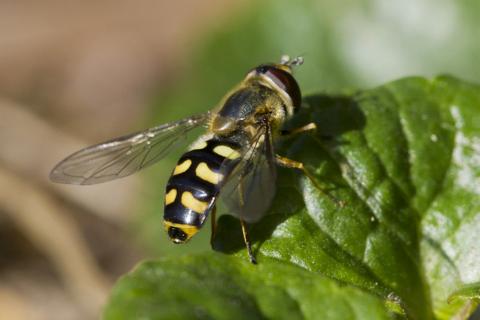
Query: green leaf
pixel 346 44
pixel 469 292
pixel 404 157
pixel 220 287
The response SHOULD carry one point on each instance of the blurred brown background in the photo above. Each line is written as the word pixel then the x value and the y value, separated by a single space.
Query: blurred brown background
pixel 73 73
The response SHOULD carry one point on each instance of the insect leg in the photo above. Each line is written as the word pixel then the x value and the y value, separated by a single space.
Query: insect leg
pixel 246 239
pixel 308 127
pixel 214 225
pixel 292 164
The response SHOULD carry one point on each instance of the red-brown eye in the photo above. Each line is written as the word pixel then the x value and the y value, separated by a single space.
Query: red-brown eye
pixel 284 80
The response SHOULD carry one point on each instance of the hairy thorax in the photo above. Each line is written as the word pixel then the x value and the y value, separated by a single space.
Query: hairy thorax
pixel 246 109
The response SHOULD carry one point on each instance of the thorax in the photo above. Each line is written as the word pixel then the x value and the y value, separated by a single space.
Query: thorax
pixel 245 109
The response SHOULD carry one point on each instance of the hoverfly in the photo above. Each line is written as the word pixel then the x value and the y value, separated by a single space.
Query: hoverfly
pixel 234 159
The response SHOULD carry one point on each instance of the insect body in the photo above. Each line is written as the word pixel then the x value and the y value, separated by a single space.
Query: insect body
pixel 234 159
pixel 195 184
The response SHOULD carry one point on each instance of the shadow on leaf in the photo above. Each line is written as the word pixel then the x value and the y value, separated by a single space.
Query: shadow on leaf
pixel 333 116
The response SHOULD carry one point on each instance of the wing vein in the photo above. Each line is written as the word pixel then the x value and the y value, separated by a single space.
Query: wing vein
pixel 119 157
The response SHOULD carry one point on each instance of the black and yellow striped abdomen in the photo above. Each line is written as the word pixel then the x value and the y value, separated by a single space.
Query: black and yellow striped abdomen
pixel 193 188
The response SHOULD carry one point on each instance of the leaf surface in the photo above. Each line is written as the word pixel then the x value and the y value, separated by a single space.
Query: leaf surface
pixel 404 158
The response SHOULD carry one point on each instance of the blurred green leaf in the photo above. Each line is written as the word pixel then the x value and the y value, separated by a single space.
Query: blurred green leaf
pixel 470 291
pixel 405 158
pixel 212 286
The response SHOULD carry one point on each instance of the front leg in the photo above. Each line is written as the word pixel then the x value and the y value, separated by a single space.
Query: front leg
pixel 308 127
pixel 292 164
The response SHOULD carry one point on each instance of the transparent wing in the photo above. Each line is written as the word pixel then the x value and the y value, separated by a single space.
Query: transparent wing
pixel 249 190
pixel 125 155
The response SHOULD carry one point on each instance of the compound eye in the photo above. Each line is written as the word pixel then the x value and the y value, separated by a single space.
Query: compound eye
pixel 177 235
pixel 285 81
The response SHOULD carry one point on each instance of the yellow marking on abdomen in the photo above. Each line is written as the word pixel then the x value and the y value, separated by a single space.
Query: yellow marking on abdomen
pixel 226 152
pixel 189 201
pixel 188 229
pixel 170 196
pixel 199 145
pixel 204 172
pixel 182 167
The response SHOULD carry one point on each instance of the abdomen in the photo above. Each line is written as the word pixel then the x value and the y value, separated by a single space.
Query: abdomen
pixel 194 185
